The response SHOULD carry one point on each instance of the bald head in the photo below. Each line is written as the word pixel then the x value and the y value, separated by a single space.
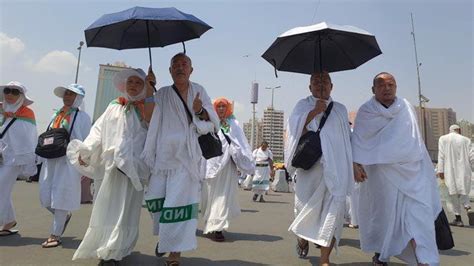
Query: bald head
pixel 385 88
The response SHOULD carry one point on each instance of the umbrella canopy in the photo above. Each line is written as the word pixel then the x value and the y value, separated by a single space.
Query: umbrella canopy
pixel 142 27
pixel 321 47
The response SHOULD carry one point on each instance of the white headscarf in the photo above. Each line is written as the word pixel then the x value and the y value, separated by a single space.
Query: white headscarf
pixel 7 107
pixel 120 82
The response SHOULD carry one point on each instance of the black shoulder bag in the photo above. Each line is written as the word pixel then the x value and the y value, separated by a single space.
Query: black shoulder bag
pixel 7 127
pixel 53 143
pixel 308 151
pixel 211 145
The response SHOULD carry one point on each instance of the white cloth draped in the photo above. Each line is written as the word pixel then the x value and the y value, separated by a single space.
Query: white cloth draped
pixel 164 147
pixel 261 178
pixel 454 160
pixel 220 201
pixel 335 144
pixel 401 180
pixel 60 182
pixel 18 147
pixel 117 136
pixel 238 151
pixel 321 191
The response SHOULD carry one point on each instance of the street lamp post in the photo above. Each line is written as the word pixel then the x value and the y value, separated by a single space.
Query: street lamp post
pixel 81 43
pixel 272 114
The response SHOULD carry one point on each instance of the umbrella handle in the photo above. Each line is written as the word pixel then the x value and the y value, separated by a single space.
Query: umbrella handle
pixel 184 48
pixel 275 68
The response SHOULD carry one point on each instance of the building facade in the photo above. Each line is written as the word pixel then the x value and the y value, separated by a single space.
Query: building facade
pixel 258 133
pixel 106 91
pixel 436 123
pixel 273 131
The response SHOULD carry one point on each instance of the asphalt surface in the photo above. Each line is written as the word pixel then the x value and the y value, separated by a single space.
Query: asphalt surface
pixel 258 237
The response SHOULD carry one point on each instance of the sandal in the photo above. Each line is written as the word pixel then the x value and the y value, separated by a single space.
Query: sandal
pixel 302 250
pixel 171 263
pixel 353 226
pixel 377 262
pixel 51 242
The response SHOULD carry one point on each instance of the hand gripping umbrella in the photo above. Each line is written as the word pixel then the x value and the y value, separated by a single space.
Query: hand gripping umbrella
pixel 142 27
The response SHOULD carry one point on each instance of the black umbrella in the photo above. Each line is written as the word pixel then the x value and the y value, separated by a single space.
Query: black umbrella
pixel 321 47
pixel 142 27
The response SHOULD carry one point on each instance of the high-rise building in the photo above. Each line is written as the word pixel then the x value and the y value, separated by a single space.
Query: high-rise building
pixel 258 133
pixel 273 131
pixel 106 91
pixel 437 123
pixel 466 129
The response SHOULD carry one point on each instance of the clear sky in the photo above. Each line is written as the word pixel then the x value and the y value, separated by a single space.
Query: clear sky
pixel 39 40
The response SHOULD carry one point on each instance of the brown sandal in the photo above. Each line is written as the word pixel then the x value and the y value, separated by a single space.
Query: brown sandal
pixel 51 242
pixel 171 263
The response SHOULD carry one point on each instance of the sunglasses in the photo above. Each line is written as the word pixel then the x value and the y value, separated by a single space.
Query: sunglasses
pixel 12 91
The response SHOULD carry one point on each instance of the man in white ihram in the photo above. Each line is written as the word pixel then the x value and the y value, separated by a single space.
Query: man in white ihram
pixel 454 167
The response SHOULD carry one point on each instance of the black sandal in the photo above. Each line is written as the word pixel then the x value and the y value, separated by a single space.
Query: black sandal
pixel 377 262
pixel 302 250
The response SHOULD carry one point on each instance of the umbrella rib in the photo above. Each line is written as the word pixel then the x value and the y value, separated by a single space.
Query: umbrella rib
pixel 125 31
pixel 291 50
pixel 158 30
pixel 344 52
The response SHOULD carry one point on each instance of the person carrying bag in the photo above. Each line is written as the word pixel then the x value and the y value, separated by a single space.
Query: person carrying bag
pixel 53 142
pixel 308 151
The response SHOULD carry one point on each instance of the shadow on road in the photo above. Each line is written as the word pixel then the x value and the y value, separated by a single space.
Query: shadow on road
pixel 136 258
pixel 251 211
pixel 355 243
pixel 18 241
pixel 232 237
pixel 454 252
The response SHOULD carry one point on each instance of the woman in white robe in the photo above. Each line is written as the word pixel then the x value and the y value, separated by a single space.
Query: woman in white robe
pixel 320 191
pixel 112 151
pixel 220 199
pixel 60 182
pixel 17 149
pixel 264 169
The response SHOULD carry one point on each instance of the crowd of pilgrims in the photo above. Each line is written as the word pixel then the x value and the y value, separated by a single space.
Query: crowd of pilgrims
pixel 145 150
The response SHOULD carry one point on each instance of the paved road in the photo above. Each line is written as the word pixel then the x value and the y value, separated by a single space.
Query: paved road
pixel 258 237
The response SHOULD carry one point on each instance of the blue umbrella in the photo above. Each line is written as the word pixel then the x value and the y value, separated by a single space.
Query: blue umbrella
pixel 142 27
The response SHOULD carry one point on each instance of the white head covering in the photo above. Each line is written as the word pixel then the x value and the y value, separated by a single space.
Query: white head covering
pixel 120 82
pixel 23 100
pixel 76 88
pixel 453 128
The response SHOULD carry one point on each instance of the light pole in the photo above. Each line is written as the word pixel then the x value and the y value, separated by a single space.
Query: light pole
pixel 272 114
pixel 81 43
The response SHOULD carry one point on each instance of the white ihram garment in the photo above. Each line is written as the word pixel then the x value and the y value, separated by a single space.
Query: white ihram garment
pixel 320 192
pixel 261 179
pixel 60 182
pixel 173 153
pixel 115 141
pixel 18 145
pixel 399 201
pixel 219 196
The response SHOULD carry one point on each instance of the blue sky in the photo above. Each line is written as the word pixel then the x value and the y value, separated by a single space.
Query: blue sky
pixel 38 41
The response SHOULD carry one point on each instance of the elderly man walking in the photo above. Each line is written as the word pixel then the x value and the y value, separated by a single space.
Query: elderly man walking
pixel 454 167
pixel 399 201
pixel 321 190
pixel 173 153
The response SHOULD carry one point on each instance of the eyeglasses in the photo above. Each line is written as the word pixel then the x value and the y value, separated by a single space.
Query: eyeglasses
pixel 12 91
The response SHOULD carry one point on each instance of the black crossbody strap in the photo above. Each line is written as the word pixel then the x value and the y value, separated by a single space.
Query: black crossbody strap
pixel 73 121
pixel 184 103
pixel 7 127
pixel 226 137
pixel 325 117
